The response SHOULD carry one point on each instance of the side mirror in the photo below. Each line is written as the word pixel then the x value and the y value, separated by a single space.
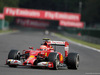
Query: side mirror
pixel 31 48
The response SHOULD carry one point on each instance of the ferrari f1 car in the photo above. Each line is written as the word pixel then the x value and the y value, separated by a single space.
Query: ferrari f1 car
pixel 45 56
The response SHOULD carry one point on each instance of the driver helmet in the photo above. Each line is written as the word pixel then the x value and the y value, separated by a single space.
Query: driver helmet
pixel 43 47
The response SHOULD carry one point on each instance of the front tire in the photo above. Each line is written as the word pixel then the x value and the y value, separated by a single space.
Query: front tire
pixel 14 54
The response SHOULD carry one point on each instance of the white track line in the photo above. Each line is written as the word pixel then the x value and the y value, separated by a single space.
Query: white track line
pixel 77 43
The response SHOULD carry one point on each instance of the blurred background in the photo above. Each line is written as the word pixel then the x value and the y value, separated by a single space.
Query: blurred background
pixel 24 23
pixel 88 9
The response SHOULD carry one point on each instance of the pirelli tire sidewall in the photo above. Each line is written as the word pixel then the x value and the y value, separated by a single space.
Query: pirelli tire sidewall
pixel 73 61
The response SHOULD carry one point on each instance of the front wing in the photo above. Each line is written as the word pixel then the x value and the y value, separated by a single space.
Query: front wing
pixel 19 63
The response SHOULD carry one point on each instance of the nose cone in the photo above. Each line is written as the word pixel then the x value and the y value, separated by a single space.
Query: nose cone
pixel 30 60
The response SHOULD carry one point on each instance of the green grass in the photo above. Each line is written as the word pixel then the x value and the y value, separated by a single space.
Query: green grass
pixel 5 31
pixel 97 46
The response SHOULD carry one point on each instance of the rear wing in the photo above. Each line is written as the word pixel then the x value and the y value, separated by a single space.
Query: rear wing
pixel 60 43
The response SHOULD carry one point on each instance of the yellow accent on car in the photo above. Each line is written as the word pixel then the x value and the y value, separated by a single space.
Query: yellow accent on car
pixel 10 60
pixel 61 57
pixel 45 54
pixel 31 56
pixel 66 46
pixel 50 47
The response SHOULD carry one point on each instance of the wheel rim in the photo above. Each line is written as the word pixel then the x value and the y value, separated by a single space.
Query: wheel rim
pixel 57 63
pixel 77 61
pixel 18 56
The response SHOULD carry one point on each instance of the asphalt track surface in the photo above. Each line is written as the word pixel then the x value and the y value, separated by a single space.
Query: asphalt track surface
pixel 89 59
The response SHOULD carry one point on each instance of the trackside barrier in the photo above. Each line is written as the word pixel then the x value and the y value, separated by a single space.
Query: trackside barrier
pixel 83 37
pixel 86 32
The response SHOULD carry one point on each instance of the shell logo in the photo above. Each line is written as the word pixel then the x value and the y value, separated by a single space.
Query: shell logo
pixel 31 56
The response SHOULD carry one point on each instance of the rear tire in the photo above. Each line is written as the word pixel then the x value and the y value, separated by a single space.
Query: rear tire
pixel 54 57
pixel 73 61
pixel 14 54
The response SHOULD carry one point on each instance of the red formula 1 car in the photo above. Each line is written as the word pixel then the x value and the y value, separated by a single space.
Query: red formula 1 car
pixel 45 56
